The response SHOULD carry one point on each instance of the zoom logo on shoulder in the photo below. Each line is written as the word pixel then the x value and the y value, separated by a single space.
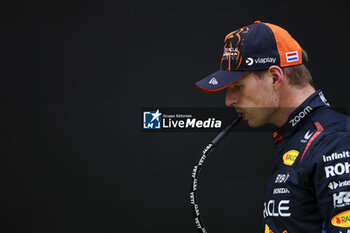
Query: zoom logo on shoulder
pixel 152 119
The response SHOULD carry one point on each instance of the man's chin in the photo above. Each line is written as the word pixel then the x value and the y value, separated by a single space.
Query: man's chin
pixel 254 124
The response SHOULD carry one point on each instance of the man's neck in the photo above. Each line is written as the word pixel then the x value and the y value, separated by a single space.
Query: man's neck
pixel 290 99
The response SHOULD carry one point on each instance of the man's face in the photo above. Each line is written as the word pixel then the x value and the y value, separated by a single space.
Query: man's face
pixel 255 98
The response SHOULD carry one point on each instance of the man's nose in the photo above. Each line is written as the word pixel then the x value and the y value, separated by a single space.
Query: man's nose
pixel 231 97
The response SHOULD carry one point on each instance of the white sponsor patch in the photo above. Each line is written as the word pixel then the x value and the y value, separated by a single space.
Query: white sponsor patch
pixel 335 156
pixel 324 100
pixel 213 81
pixel 341 199
pixel 281 208
pixel 337 170
pixel 280 191
pixel 307 136
pixel 338 184
pixel 281 178
pixel 300 115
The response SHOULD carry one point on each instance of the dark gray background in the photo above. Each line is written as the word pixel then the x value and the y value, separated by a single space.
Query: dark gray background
pixel 74 77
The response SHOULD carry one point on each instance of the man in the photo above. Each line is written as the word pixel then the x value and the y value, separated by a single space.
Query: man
pixel 267 83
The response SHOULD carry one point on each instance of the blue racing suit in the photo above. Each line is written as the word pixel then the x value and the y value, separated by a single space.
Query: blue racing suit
pixel 309 186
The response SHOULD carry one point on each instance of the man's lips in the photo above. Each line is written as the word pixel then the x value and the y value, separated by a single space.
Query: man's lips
pixel 240 112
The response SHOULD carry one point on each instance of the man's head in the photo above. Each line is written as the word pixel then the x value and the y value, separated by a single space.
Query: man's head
pixel 262 69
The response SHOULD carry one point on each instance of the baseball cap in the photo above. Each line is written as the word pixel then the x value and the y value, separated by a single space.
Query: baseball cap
pixel 254 47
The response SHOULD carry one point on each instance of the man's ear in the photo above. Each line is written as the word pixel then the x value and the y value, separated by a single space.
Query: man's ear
pixel 278 77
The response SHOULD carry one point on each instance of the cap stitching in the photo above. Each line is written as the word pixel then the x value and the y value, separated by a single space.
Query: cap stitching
pixel 274 39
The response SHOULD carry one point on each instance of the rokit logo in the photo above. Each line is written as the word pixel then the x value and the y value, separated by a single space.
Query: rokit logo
pixel 273 209
pixel 337 170
pixel 341 199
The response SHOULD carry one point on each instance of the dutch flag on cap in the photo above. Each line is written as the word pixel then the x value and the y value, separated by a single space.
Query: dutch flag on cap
pixel 292 56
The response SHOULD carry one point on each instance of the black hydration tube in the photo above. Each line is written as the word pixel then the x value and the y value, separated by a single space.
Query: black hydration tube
pixel 197 168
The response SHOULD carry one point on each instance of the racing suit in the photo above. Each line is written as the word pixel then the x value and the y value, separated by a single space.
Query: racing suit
pixel 309 186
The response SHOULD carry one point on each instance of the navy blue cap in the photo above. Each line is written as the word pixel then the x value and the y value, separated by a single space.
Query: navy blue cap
pixel 253 47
